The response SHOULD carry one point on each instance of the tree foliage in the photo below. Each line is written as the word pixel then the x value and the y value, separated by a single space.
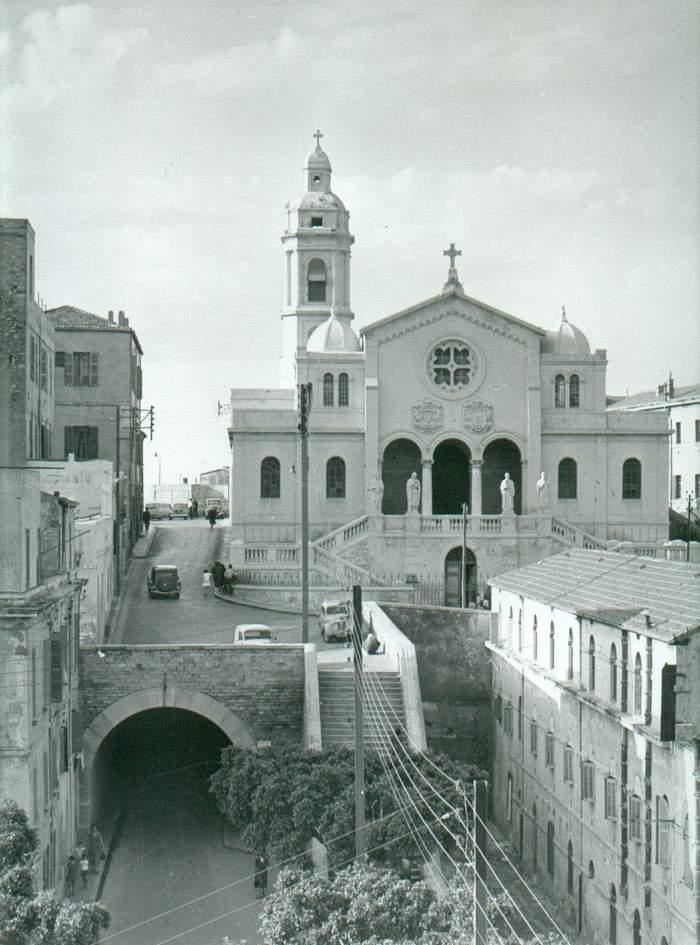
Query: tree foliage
pixel 43 919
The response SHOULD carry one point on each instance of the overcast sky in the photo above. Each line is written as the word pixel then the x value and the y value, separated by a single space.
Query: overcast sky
pixel 153 147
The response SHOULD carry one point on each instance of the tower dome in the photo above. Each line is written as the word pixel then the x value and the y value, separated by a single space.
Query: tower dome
pixel 334 336
pixel 565 338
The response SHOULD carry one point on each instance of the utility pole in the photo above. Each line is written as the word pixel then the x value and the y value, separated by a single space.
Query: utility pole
pixel 305 395
pixel 687 534
pixel 463 572
pixel 480 863
pixel 360 836
pixel 118 524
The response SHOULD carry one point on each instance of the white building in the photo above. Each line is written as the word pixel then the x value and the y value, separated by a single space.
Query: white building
pixel 596 770
pixel 451 389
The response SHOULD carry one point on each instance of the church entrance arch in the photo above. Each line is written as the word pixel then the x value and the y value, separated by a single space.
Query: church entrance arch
pixel 454 576
pixel 401 458
pixel 500 456
pixel 451 466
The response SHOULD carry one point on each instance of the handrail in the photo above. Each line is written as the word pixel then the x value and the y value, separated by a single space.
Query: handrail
pixel 576 536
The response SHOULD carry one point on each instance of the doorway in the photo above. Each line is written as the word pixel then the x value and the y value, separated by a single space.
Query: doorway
pixel 453 578
pixel 451 467
pixel 401 458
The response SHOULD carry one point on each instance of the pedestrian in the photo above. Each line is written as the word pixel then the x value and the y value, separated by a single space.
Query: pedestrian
pixel 146 520
pixel 206 584
pixel 217 573
pixel 211 515
pixel 261 868
pixel 71 875
pixel 195 508
pixel 84 867
pixel 228 579
pixel 96 847
pixel 372 643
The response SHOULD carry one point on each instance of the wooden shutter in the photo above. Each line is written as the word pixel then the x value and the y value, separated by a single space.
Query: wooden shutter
pixel 76 731
pixel 56 669
pixel 92 443
pixel 68 370
pixel 46 670
pixel 68 446
pixel 93 369
pixel 668 703
pixel 60 359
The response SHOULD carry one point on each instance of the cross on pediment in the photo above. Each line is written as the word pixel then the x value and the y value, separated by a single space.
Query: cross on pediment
pixel 318 137
pixel 452 253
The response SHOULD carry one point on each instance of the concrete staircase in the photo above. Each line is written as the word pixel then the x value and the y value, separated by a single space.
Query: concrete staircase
pixel 383 707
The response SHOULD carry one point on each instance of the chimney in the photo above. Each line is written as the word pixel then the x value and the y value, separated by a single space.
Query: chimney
pixel 110 317
pixel 126 322
pixel 670 386
pixel 121 319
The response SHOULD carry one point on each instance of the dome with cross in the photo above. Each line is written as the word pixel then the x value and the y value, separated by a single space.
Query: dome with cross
pixel 333 336
pixel 565 338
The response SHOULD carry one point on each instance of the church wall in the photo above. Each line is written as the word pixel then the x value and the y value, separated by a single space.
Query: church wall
pixel 327 513
pixel 253 517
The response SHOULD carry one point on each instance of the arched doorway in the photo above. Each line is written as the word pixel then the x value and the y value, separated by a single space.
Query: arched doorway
pixel 451 465
pixel 500 456
pixel 401 458
pixel 454 577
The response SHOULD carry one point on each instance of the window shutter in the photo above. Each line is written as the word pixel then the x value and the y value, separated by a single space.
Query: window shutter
pixel 76 731
pixel 60 359
pixel 68 370
pixel 668 703
pixel 93 369
pixel 46 667
pixel 64 748
pixel 68 441
pixel 56 670
pixel 92 443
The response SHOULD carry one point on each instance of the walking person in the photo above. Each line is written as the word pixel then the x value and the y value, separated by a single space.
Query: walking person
pixel 261 869
pixel 96 848
pixel 228 579
pixel 195 508
pixel 211 515
pixel 206 584
pixel 146 520
pixel 71 875
pixel 84 868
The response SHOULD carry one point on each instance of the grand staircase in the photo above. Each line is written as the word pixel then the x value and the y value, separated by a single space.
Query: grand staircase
pixel 383 707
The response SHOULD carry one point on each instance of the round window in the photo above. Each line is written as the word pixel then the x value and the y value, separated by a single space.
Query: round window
pixel 452 365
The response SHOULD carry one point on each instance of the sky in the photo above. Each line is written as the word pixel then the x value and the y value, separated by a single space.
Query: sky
pixel 154 146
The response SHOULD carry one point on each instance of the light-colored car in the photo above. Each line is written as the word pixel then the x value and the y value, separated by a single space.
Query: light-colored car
pixel 335 620
pixel 180 510
pixel 160 510
pixel 255 633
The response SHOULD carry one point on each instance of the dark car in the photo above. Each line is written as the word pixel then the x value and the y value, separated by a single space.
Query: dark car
pixel 163 581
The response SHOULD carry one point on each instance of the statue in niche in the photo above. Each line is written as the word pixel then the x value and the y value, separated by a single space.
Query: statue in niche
pixel 413 492
pixel 543 491
pixel 507 494
pixel 375 490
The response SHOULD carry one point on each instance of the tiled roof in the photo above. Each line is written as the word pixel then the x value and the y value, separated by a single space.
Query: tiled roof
pixel 652 398
pixel 614 588
pixel 67 316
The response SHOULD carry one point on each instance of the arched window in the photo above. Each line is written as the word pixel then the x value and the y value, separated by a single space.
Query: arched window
pixel 317 280
pixel 574 391
pixel 559 391
pixel 570 656
pixel 638 685
pixel 498 708
pixel 551 645
pixel 612 917
pixel 591 663
pixel 631 479
pixel 534 638
pixel 328 388
pixel 570 868
pixel 343 390
pixel 550 848
pixel 613 673
pixel 520 720
pixel 335 478
pixel 663 831
pixel 270 478
pixel 566 480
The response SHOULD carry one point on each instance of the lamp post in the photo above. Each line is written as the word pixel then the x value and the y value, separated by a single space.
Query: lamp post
pixel 689 509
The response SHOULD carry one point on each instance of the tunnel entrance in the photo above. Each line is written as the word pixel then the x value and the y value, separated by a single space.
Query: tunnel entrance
pixel 155 766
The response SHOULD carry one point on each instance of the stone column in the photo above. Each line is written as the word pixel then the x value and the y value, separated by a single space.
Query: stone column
pixel 524 488
pixel 427 494
pixel 475 504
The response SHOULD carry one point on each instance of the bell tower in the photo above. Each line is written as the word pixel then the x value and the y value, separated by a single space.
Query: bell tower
pixel 317 244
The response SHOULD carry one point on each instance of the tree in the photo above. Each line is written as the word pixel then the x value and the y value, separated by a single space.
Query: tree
pixel 43 919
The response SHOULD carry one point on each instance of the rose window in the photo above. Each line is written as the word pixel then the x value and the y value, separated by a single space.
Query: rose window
pixel 451 365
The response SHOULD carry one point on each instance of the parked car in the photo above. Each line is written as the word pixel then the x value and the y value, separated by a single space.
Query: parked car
pixel 218 504
pixel 335 620
pixel 180 510
pixel 258 633
pixel 163 581
pixel 160 510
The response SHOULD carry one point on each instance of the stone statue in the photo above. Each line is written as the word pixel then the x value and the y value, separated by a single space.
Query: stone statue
pixel 413 492
pixel 376 494
pixel 507 494
pixel 543 491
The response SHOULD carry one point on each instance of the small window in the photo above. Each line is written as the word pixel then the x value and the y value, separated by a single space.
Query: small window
pixel 566 479
pixel 498 708
pixel 316 221
pixel 587 781
pixel 559 391
pixel 631 479
pixel 509 798
pixel 568 764
pixel 678 433
pixel 591 663
pixel 343 390
pixel 32 358
pixel 610 799
pixel 574 391
pixel 570 656
pixel 612 916
pixel 663 832
pixel 335 478
pixel 677 487
pixel 81 441
pixel 328 390
pixel 520 718
pixel 533 738
pixel 534 639
pixel 550 848
pixel 551 645
pixel 270 478
pixel 520 631
pixel 549 750
pixel 317 281
pixel 508 718
pixel 613 673
pixel 697 431
pixel 570 868
pixel 636 818
pixel 637 696
pixel 697 485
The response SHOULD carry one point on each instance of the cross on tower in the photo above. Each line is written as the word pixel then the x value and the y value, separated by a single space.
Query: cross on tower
pixel 452 252
pixel 318 137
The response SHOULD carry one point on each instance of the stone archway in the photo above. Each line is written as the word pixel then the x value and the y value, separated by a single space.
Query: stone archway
pixel 103 724
pixel 500 456
pixel 454 577
pixel 400 458
pixel 451 477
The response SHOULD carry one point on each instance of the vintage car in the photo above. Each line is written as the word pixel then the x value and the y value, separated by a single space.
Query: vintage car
pixel 256 633
pixel 335 620
pixel 163 581
pixel 180 510
pixel 159 510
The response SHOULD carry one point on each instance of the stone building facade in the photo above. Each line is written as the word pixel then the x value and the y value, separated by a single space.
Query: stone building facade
pixel 451 389
pixel 595 754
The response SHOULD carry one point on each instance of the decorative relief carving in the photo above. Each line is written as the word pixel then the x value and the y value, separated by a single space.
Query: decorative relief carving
pixel 477 416
pixel 427 416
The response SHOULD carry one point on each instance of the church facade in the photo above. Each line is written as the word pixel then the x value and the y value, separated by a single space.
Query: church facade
pixel 450 431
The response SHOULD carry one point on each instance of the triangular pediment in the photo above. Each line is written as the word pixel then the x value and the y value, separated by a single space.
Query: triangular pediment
pixel 445 305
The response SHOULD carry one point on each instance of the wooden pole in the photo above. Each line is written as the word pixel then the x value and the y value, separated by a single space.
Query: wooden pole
pixel 480 896
pixel 305 391
pixel 463 573
pixel 360 835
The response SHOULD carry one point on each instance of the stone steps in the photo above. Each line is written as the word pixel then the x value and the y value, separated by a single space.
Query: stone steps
pixel 383 708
